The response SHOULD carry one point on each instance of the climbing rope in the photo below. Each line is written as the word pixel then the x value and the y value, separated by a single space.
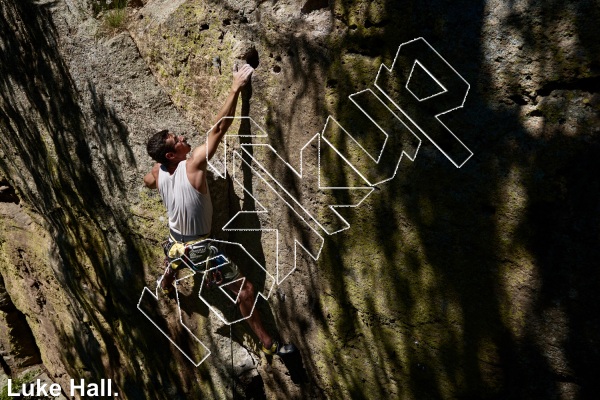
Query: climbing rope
pixel 231 352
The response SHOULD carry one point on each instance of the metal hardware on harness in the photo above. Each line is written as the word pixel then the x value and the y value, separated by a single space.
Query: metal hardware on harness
pixel 197 253
pixel 215 278
pixel 214 267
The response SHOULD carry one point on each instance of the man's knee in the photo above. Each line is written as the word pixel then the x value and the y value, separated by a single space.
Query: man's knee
pixel 247 291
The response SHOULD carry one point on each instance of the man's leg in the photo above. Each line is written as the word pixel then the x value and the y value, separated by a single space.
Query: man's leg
pixel 246 302
pixel 166 283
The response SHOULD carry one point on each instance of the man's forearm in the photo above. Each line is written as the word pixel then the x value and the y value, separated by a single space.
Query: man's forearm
pixel 240 78
pixel 227 110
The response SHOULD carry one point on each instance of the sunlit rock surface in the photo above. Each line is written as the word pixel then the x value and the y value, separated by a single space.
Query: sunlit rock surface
pixel 471 282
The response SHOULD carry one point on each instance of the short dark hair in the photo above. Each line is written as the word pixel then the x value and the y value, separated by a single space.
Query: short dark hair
pixel 157 146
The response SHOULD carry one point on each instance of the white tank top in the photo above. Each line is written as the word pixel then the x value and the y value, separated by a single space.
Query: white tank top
pixel 190 212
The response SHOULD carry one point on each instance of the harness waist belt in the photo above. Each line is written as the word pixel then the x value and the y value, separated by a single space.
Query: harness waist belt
pixel 186 238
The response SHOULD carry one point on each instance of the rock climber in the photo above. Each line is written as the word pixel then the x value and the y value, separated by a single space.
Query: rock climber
pixel 181 182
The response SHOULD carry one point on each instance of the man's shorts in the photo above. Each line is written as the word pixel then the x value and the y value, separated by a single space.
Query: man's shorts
pixel 201 255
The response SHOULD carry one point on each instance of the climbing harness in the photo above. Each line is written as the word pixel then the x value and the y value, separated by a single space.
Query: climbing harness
pixel 200 256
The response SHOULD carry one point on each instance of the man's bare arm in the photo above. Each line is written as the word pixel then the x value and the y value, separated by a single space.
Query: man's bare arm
pixel 151 178
pixel 203 153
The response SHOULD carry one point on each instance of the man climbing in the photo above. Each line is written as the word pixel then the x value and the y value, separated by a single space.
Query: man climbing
pixel 181 182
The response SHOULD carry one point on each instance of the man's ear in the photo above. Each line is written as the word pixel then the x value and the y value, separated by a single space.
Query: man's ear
pixel 169 155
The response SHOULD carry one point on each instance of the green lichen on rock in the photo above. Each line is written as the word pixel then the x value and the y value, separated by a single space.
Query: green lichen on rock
pixel 449 282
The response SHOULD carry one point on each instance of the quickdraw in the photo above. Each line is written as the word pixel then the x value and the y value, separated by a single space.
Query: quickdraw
pixel 214 268
pixel 214 278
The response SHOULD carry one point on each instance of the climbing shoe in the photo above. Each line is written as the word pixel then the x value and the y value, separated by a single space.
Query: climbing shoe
pixel 278 349
pixel 272 350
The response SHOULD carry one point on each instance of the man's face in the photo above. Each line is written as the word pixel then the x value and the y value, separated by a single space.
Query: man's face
pixel 180 147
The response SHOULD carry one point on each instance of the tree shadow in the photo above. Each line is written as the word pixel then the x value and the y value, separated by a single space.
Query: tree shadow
pixel 466 283
pixel 455 322
pixel 57 154
pixel 456 221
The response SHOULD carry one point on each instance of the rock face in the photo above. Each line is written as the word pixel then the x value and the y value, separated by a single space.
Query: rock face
pixel 448 282
pixel 17 346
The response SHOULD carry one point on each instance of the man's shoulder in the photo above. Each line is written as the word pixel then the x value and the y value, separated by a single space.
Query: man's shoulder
pixel 196 164
pixel 198 158
pixel 156 167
